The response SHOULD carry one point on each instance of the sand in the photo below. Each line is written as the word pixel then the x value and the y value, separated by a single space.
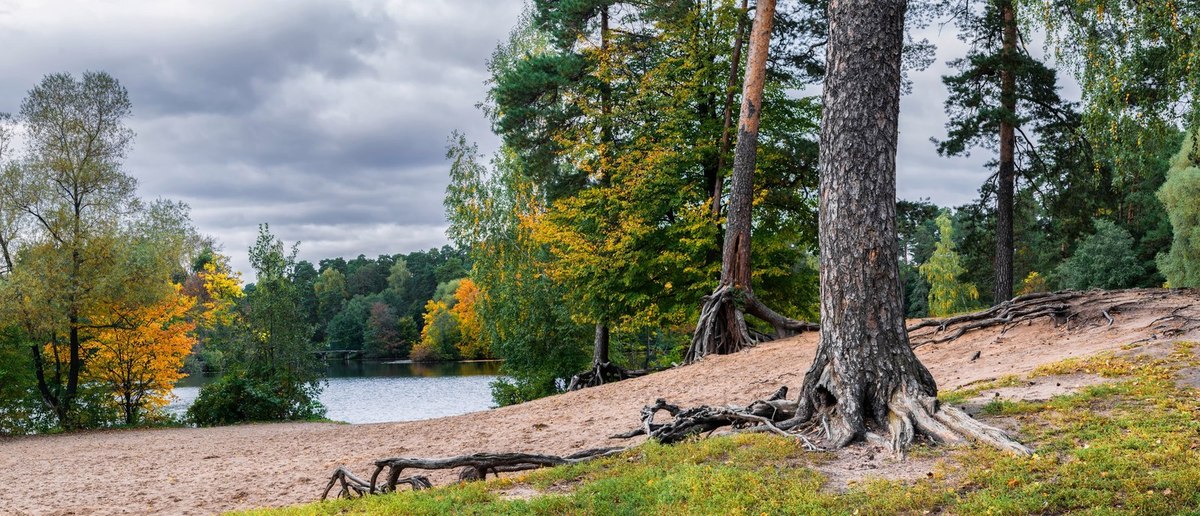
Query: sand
pixel 210 470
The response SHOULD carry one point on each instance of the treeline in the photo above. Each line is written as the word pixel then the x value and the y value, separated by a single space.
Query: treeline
pixel 596 230
pixel 418 305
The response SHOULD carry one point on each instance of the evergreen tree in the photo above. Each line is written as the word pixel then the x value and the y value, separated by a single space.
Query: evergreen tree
pixel 1181 197
pixel 999 99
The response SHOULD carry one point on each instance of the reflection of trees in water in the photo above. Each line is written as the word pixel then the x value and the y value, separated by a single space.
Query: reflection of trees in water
pixel 366 369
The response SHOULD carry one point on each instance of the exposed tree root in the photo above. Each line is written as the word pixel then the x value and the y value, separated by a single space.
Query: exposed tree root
pixel 474 467
pixel 1071 308
pixel 352 486
pixel 602 373
pixel 760 415
pixel 910 416
pixel 722 327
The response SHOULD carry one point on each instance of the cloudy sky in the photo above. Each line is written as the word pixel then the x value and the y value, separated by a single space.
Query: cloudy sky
pixel 327 118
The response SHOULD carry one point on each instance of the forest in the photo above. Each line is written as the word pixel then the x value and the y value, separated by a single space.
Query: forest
pixel 107 299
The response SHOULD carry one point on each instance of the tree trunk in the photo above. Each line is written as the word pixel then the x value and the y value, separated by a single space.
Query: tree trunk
pixel 735 62
pixel 1003 265
pixel 600 345
pixel 864 375
pixel 722 325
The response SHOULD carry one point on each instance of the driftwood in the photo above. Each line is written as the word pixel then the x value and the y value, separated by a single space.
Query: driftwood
pixel 474 467
pixel 352 486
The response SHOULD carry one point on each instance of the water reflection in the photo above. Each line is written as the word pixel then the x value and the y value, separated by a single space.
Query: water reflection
pixel 374 392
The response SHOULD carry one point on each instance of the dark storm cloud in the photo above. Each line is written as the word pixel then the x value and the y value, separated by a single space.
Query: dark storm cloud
pixel 327 119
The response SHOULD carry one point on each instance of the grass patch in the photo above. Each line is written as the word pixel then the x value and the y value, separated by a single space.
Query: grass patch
pixel 1131 446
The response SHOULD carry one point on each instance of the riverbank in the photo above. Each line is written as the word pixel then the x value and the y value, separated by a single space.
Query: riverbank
pixel 208 470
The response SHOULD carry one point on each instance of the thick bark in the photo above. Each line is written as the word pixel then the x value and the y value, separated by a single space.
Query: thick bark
pixel 735 62
pixel 865 376
pixel 1006 177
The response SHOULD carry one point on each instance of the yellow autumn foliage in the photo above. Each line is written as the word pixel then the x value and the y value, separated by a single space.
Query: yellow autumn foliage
pixel 140 356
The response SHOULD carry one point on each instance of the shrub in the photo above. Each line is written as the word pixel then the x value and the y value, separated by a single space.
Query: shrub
pixel 1105 259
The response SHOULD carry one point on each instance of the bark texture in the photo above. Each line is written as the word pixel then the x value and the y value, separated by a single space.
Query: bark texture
pixel 722 328
pixel 735 63
pixel 865 377
pixel 1006 176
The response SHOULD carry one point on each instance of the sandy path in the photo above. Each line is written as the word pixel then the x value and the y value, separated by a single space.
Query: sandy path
pixel 202 471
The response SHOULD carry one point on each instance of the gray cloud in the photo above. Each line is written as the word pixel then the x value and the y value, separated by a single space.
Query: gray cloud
pixel 328 119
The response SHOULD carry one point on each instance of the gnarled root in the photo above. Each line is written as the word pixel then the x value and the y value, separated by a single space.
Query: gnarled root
pixel 1071 308
pixel 722 329
pixel 903 404
pixel 474 467
pixel 352 486
pixel 604 372
pixel 910 416
pixel 760 415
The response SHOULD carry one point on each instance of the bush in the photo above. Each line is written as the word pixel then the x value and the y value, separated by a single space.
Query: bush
pixel 236 398
pixel 1105 259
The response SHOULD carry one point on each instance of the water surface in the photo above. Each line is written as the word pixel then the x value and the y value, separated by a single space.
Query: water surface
pixel 377 392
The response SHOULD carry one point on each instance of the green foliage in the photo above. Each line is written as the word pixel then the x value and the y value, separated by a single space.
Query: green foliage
pixel 237 397
pixel 1105 259
pixel 614 150
pixel 21 409
pixel 331 293
pixel 445 292
pixel 527 325
pixel 974 105
pixel 398 275
pixel 273 374
pixel 1180 196
pixel 440 336
pixel 1136 63
pixel 386 335
pixel 75 241
pixel 348 328
pixel 946 294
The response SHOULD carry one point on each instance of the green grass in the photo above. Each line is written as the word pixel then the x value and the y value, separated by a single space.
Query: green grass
pixel 1130 446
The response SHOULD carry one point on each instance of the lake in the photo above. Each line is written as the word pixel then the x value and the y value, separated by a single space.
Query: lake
pixel 378 392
